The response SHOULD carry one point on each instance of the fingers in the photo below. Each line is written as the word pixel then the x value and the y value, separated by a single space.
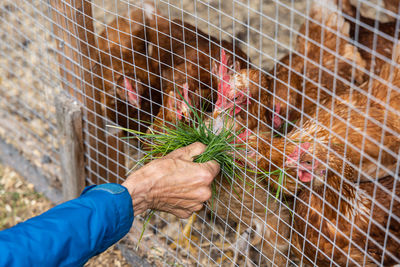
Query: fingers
pixel 183 214
pixel 186 213
pixel 188 152
pixel 202 194
pixel 212 167
pixel 198 207
pixel 183 186
pixel 194 150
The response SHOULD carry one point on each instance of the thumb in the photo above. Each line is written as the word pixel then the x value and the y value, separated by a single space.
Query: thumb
pixel 188 152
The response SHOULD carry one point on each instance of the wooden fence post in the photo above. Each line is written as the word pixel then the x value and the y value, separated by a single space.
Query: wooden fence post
pixel 73 25
pixel 69 122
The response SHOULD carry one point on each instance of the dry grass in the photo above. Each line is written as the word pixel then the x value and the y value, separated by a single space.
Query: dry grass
pixel 19 201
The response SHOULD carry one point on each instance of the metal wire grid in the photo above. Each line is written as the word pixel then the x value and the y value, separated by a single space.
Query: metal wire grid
pixel 28 84
pixel 205 223
pixel 218 228
pixel 348 144
pixel 393 172
pixel 189 258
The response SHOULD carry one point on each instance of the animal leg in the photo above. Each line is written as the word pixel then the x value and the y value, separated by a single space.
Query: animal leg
pixel 183 240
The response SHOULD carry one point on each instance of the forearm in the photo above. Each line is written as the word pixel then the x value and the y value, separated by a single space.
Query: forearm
pixel 70 233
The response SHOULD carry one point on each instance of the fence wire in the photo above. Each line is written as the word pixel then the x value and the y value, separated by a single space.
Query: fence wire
pixel 312 86
pixel 28 82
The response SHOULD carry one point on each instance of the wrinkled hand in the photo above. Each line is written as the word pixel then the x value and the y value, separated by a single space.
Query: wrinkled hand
pixel 173 183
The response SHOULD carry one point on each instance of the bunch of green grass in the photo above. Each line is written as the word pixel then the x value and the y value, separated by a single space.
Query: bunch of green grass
pixel 220 146
pixel 281 176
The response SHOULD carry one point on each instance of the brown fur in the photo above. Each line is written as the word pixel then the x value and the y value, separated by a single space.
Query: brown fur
pixel 247 205
pixel 254 115
pixel 191 67
pixel 271 155
pixel 124 33
pixel 311 207
pixel 319 84
pixel 331 128
pixel 351 116
pixel 367 120
pixel 336 230
pixel 122 45
pixel 392 5
pixel 184 54
pixel 172 37
pixel 367 38
pixel 383 47
pixel 349 7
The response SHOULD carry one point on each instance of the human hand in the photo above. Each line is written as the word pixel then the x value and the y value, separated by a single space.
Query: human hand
pixel 174 183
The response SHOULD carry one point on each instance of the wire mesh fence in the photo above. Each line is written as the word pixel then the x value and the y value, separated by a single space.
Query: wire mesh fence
pixel 28 82
pixel 308 88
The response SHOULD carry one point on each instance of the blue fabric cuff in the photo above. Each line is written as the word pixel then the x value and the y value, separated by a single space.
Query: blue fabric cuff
pixel 110 188
pixel 70 233
pixel 122 209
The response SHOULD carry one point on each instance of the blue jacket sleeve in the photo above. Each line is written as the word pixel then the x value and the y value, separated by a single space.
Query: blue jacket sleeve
pixel 71 233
